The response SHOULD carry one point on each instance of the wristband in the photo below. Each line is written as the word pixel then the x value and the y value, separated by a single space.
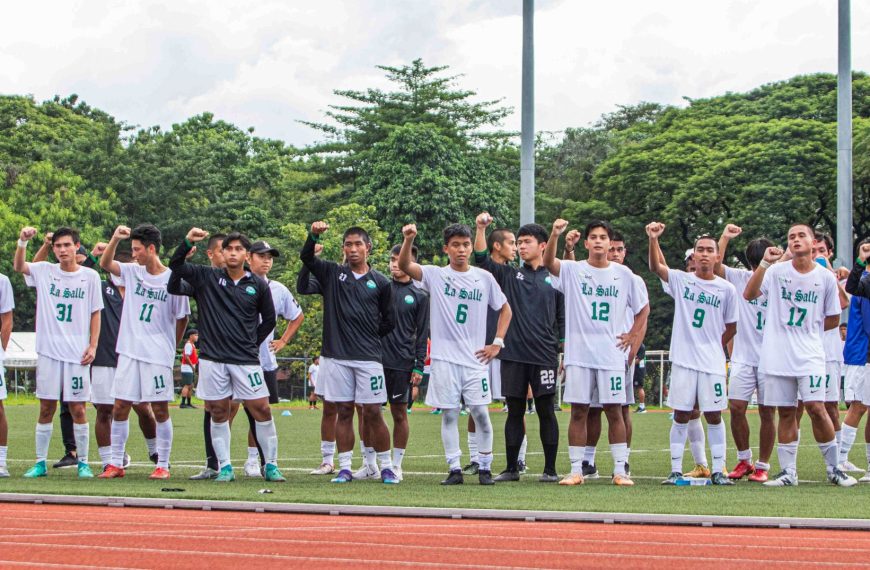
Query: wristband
pixel 22 243
pixel 764 264
pixel 498 341
pixel 314 237
pixel 857 260
pixel 188 243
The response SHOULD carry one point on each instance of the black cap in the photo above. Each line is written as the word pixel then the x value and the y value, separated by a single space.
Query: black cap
pixel 264 247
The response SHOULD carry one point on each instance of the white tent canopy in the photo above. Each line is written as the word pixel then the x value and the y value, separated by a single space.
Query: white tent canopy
pixel 21 352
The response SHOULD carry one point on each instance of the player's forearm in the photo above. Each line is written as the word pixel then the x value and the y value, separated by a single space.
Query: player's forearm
pixel 5 329
pixel 95 329
pixel 753 286
pixel 550 262
pixel 832 322
pixel 180 327
pixel 480 240
pixel 504 321
pixel 42 253
pixel 730 331
pixel 19 261
pixel 107 259
pixel 638 329
pixel 178 262
pixel 655 259
pixel 406 260
pixel 292 327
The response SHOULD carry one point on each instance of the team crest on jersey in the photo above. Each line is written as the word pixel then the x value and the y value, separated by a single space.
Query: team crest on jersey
pixel 250 290
pixel 370 284
pixel 548 280
pixel 409 299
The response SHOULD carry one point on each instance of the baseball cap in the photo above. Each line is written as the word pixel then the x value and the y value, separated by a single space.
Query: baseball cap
pixel 264 247
pixel 689 253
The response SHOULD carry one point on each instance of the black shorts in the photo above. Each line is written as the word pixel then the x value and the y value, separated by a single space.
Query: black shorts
pixel 639 375
pixel 271 377
pixel 398 384
pixel 516 377
pixel 187 378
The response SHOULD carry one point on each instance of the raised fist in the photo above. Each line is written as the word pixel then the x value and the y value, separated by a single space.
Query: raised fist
pixel 46 239
pixel 409 231
pixel 196 234
pixel 99 248
pixel 655 229
pixel 732 231
pixel 772 254
pixel 122 232
pixel 318 228
pixel 559 226
pixel 864 252
pixel 27 233
pixel 571 238
pixel 483 220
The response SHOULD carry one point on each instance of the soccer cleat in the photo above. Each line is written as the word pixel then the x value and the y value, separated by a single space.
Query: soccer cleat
pixel 742 469
pixel 719 478
pixel 866 477
pixel 622 481
pixel 454 478
pixel 344 476
pixel 111 472
pixel 204 475
pixel 159 473
pixel 324 469
pixel 471 469
pixel 252 468
pixel 507 475
pixel 367 472
pixel 673 478
pixel 389 477
pixel 627 469
pixel 436 412
pixel 840 479
pixel 85 471
pixel 127 461
pixel 572 479
pixel 38 470
pixel 4 472
pixel 782 479
pixel 589 470
pixel 226 474
pixel 484 477
pixel 272 474
pixel 398 471
pixel 68 460
pixel 463 412
pixel 699 472
pixel 640 410
pixel 154 458
pixel 849 467
pixel 548 478
pixel 760 476
pixel 521 466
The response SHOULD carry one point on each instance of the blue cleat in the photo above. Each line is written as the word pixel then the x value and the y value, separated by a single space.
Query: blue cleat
pixel 38 470
pixel 226 474
pixel 344 476
pixel 389 477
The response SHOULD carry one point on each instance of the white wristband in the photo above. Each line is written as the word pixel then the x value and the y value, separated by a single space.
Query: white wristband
pixel 764 264
pixel 22 243
pixel 498 341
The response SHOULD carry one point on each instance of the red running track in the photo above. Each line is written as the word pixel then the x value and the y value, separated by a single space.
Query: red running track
pixel 78 537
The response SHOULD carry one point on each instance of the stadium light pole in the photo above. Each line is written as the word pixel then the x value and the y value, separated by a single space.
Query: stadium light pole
pixel 844 134
pixel 527 134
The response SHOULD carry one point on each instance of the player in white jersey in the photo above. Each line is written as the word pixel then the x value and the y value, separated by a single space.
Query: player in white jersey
pixel 459 297
pixel 7 304
pixel 152 326
pixel 598 296
pixel 802 303
pixel 67 330
pixel 743 377
pixel 261 258
pixel 705 320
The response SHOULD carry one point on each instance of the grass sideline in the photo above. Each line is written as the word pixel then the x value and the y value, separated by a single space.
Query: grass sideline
pixel 424 467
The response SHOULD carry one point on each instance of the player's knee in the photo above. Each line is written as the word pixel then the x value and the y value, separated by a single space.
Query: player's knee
pixel 683 417
pixel 713 418
pixel 766 413
pixel 399 411
pixel 816 410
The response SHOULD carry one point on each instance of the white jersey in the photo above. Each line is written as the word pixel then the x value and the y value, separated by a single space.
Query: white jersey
pixel 285 307
pixel 312 374
pixel 66 301
pixel 702 308
pixel 797 306
pixel 833 346
pixel 747 342
pixel 458 304
pixel 148 321
pixel 7 304
pixel 596 303
pixel 629 314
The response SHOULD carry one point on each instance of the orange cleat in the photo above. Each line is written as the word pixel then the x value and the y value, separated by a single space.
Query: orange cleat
pixel 622 481
pixel 111 472
pixel 572 479
pixel 760 476
pixel 159 473
pixel 742 469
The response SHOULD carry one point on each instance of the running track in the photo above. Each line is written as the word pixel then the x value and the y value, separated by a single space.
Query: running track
pixel 106 537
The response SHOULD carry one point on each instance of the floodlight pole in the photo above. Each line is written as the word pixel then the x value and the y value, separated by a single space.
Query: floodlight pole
pixel 844 135
pixel 527 135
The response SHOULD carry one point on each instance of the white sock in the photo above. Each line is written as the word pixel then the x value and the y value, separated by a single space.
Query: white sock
pixel 450 438
pixel 575 454
pixel 762 465
pixel 838 435
pixel 472 447
pixel 696 442
pixel 589 454
pixel 220 440
pixel 362 447
pixel 151 444
pixel 253 453
pixel 3 451
pixel 627 453
pixel 384 459
pixel 523 446
pixel 43 438
pixel 120 433
pixel 370 457
pixel 830 453
pixel 787 453
pixel 345 460
pixel 868 455
pixel 744 455
pixel 619 451
pixel 678 445
pixel 327 452
pixel 848 436
pixel 105 455
pixel 716 433
pixel 398 455
pixel 483 431
pixel 164 443
pixel 82 433
pixel 267 435
pixel 485 461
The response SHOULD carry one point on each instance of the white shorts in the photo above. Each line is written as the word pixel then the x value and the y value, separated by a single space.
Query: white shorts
pixel 359 381
pixel 449 383
pixel 495 379
pixel 592 386
pixel 219 380
pixel 140 381
pixel 784 391
pixel 102 381
pixel 853 385
pixel 833 370
pixel 3 391
pixel 692 386
pixel 67 381
pixel 743 380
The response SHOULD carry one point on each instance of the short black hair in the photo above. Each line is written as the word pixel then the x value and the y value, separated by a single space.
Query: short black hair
pixel 398 248
pixel 357 231
pixel 148 234
pixel 456 230
pixel 64 231
pixel 804 224
pixel 755 251
pixel 236 236
pixel 497 236
pixel 825 237
pixel 192 332
pixel 617 236
pixel 123 256
pixel 705 236
pixel 537 231
pixel 598 224
pixel 216 240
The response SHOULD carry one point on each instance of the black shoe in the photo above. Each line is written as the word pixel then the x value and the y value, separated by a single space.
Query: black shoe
pixel 720 478
pixel 454 478
pixel 153 457
pixel 627 470
pixel 507 475
pixel 484 476
pixel 548 478
pixel 590 471
pixel 68 460
pixel 182 406
pixel 191 406
pixel 471 469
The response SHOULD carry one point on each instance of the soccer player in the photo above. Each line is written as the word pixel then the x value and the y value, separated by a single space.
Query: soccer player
pixel 459 297
pixel 152 326
pixel 744 377
pixel 705 320
pixel 189 360
pixel 312 383
pixel 530 358
pixel 598 297
pixel 236 315
pixel 357 313
pixel 68 328
pixel 262 256
pixel 858 285
pixel 7 304
pixel 803 302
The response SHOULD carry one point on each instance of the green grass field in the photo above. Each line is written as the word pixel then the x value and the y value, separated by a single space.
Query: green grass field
pixel 424 467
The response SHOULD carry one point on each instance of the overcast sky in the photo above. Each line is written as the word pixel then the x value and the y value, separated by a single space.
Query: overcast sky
pixel 270 63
